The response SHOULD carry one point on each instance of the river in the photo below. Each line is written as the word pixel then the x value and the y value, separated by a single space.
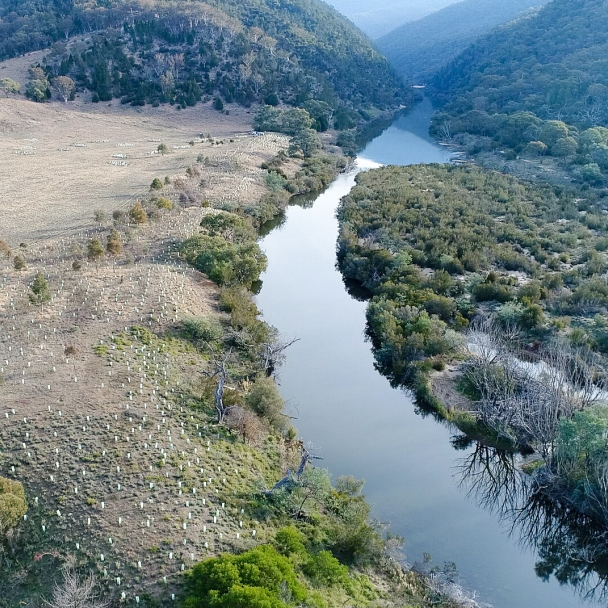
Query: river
pixel 359 425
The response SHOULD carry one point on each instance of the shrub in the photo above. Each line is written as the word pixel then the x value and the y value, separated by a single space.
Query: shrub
pixel 156 184
pixel 18 262
pixel 13 504
pixel 198 328
pixel 223 262
pixel 138 214
pixel 255 579
pixel 114 246
pixel 164 203
pixel 40 290
pixel 95 250
pixel 325 570
pixel 265 400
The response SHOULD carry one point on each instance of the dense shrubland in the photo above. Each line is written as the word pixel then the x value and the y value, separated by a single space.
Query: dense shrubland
pixel 434 243
pixel 535 87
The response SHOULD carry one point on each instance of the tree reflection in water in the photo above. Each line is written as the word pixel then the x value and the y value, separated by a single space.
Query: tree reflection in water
pixel 570 546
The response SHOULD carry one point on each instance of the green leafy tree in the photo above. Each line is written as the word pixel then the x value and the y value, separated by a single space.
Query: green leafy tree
pixel 40 290
pixel 156 184
pixel 307 141
pixel 9 86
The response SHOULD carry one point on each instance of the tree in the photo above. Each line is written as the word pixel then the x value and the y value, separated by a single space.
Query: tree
pixel 156 184
pixel 40 290
pixel 9 86
pixel 13 505
pixel 95 250
pixel 162 149
pixel 75 591
pixel 64 86
pixel 305 140
pixel 218 104
pixel 138 214
pixel 37 90
pixel 113 246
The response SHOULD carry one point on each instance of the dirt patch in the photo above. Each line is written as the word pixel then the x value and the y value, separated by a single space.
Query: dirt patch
pixel 444 387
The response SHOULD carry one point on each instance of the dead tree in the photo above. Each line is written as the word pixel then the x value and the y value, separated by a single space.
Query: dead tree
pixel 292 479
pixel 221 373
pixel 76 592
pixel 272 355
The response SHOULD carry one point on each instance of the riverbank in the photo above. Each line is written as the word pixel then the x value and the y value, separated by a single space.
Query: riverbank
pixel 109 421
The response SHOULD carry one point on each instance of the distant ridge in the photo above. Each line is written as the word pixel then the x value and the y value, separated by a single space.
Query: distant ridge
pixel 419 49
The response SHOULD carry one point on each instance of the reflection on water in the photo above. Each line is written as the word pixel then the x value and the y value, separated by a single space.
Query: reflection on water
pixel 570 546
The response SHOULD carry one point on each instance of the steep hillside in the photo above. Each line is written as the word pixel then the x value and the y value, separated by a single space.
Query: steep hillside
pixel 247 51
pixel 418 49
pixel 377 20
pixel 553 64
pixel 538 86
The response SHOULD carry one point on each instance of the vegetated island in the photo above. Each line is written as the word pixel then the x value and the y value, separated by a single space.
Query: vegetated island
pixel 488 299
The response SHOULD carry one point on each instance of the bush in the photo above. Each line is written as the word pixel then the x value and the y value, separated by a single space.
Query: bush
pixel 156 184
pixel 40 290
pixel 199 329
pixel 223 262
pixel 164 203
pixel 325 570
pixel 95 250
pixel 18 263
pixel 138 214
pixel 13 505
pixel 255 579
pixel 265 400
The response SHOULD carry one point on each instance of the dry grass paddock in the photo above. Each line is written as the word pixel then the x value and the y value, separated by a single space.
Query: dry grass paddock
pixel 121 470
pixel 61 162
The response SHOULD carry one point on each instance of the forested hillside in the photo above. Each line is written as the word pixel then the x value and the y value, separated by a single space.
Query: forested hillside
pixel 420 48
pixel 536 86
pixel 246 51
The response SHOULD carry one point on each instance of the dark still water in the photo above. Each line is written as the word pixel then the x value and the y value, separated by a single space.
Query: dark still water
pixel 443 500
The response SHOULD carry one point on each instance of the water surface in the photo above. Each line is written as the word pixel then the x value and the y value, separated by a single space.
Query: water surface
pixel 361 426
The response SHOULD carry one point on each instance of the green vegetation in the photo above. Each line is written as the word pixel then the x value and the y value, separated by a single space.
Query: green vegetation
pixel 13 504
pixel 234 51
pixel 227 253
pixel 289 572
pixel 434 243
pixel 535 87
pixel 418 49
pixel 40 290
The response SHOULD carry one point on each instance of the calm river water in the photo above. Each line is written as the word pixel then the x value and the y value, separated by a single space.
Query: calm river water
pixel 361 426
